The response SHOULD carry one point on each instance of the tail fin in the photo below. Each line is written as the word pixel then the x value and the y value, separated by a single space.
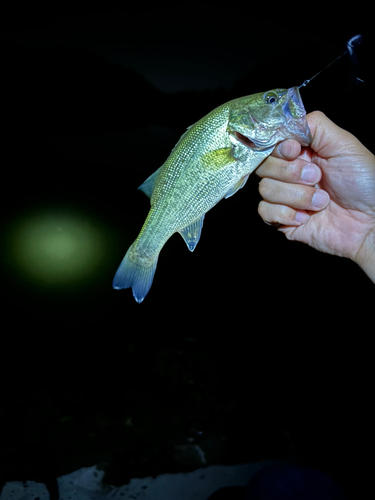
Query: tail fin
pixel 138 277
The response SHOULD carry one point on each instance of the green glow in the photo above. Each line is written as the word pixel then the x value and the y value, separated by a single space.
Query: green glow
pixel 56 248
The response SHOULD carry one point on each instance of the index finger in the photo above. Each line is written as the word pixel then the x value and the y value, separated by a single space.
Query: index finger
pixel 299 170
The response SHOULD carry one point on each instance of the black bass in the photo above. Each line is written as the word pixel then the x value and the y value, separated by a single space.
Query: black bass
pixel 212 160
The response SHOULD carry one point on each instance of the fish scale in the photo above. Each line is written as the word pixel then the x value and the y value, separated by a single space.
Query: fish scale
pixel 211 161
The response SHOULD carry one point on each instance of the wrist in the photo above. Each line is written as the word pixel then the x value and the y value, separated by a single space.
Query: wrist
pixel 365 257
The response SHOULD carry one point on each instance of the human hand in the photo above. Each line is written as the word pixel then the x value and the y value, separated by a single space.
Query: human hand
pixel 323 195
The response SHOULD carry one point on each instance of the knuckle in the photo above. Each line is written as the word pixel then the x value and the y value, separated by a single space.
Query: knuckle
pixel 318 114
pixel 262 209
pixel 265 187
pixel 276 214
pixel 291 171
pixel 300 195
pixel 284 213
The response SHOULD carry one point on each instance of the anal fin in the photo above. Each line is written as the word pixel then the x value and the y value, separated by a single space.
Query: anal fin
pixel 192 233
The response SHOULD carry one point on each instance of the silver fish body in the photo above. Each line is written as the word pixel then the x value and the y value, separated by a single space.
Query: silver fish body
pixel 212 160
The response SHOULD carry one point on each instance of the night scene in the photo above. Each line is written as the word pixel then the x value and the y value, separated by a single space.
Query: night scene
pixel 187 255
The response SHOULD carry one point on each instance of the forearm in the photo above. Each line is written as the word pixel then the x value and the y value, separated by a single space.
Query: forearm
pixel 366 256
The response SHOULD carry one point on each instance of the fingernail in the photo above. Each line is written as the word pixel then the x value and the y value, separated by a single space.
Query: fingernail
pixel 310 173
pixel 320 199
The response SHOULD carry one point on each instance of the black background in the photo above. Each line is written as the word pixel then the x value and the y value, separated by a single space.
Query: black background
pixel 250 333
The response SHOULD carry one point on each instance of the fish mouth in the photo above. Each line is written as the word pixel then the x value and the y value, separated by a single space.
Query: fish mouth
pixel 293 106
pixel 245 140
pixel 295 113
pixel 257 146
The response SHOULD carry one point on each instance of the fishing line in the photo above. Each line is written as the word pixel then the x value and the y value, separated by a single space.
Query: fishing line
pixel 350 46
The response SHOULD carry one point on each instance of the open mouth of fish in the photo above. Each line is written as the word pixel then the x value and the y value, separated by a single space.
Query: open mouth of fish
pixel 246 141
pixel 257 146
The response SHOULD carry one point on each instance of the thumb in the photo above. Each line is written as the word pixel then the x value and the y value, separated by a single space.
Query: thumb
pixel 328 139
pixel 287 150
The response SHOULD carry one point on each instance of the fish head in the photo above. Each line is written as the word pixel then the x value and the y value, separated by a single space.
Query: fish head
pixel 262 120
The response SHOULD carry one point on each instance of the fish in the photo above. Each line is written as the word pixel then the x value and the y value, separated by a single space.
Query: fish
pixel 211 161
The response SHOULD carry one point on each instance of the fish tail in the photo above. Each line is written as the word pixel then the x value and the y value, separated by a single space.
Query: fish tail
pixel 133 273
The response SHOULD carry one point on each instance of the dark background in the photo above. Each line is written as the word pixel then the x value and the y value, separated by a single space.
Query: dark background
pixel 248 335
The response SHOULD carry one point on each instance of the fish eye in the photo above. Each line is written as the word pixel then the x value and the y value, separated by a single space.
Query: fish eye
pixel 271 98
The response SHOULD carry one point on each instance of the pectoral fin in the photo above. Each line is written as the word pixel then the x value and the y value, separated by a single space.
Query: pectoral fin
pixel 192 233
pixel 218 159
pixel 148 186
pixel 240 184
